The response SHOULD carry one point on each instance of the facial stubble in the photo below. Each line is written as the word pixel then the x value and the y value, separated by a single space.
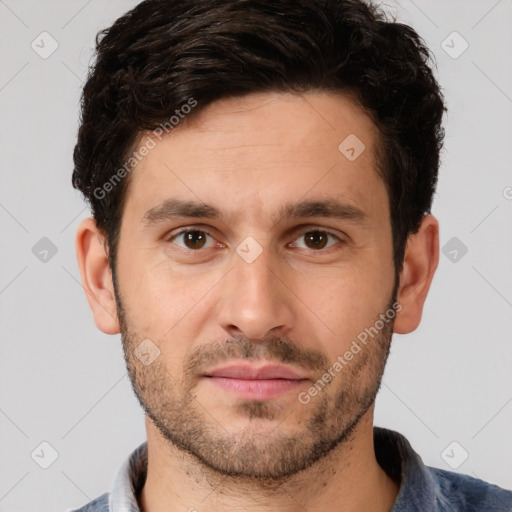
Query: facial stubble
pixel 185 422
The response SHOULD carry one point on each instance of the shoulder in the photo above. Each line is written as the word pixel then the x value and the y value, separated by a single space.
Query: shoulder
pixel 458 492
pixel 100 504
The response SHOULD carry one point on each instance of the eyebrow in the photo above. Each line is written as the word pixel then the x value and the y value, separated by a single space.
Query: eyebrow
pixel 177 208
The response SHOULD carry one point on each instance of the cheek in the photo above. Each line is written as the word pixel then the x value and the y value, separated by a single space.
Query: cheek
pixel 154 301
pixel 166 305
pixel 344 303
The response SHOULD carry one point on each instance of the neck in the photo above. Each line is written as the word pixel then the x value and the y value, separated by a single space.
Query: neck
pixel 348 479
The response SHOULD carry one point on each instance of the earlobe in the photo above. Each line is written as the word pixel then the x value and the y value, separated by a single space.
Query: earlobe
pixel 96 276
pixel 420 263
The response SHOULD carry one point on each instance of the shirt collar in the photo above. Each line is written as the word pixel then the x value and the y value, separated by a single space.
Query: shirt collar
pixel 128 481
pixel 402 464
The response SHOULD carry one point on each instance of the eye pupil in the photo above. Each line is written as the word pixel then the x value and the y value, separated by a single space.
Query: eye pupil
pixel 317 238
pixel 192 236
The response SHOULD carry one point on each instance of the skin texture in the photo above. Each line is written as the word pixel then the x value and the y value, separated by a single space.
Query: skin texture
pixel 301 302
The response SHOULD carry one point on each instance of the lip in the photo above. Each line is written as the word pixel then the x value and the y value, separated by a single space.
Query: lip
pixel 250 372
pixel 256 383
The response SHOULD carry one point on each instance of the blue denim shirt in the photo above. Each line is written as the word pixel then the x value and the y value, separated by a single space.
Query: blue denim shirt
pixel 422 488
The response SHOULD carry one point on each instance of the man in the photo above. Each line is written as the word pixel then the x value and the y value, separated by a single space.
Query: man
pixel 261 177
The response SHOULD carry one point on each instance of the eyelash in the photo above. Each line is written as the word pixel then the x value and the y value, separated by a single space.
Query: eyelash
pixel 299 234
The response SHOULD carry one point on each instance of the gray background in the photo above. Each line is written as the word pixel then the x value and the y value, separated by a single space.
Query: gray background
pixel 64 382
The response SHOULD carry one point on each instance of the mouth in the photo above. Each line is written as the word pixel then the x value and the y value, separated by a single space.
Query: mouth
pixel 256 383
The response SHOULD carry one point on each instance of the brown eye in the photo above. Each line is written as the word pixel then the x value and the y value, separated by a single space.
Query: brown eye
pixel 193 239
pixel 316 239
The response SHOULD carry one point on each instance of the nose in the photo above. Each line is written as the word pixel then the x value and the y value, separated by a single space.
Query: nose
pixel 256 300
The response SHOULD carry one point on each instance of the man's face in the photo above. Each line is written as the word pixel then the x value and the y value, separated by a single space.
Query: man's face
pixel 254 306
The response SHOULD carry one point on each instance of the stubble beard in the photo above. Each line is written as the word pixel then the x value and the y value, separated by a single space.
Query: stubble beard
pixel 266 455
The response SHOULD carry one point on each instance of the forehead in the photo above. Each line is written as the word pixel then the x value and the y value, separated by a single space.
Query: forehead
pixel 251 155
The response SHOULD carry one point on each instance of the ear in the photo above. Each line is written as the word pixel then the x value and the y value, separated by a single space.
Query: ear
pixel 420 263
pixel 96 276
